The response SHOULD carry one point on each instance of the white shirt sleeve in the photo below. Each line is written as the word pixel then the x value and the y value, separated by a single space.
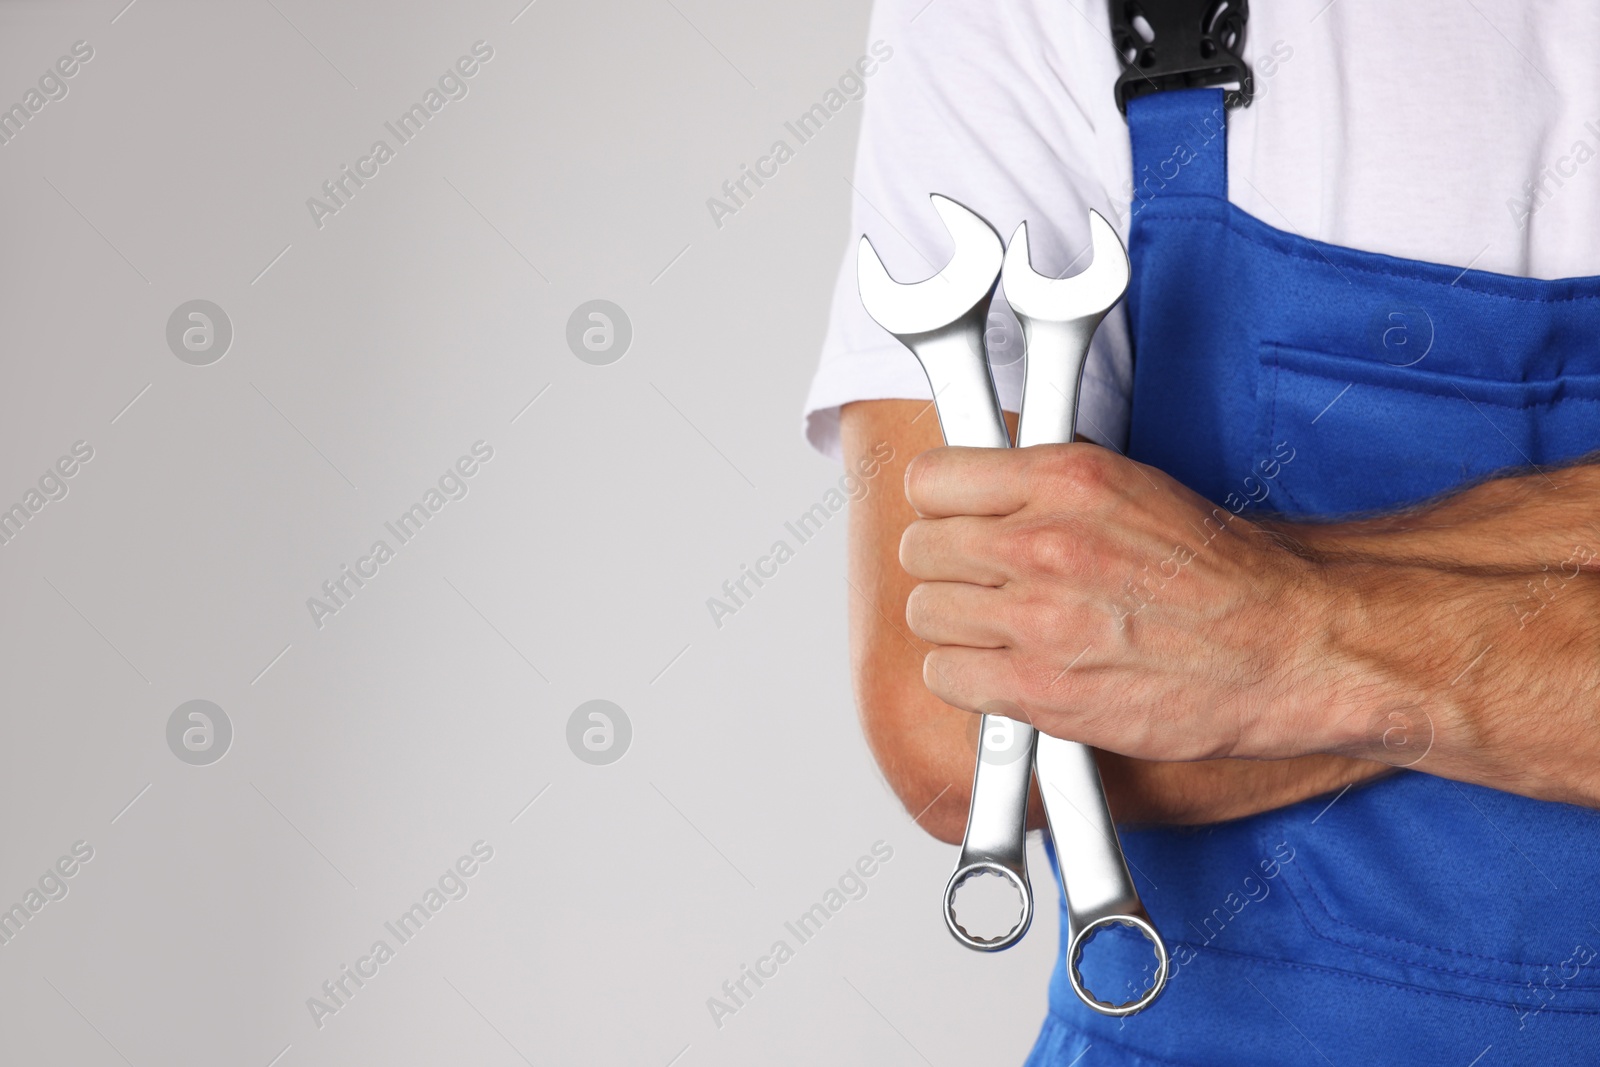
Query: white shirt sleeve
pixel 1007 108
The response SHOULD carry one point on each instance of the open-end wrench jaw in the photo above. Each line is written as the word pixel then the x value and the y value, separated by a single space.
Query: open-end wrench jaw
pixel 942 320
pixel 1092 291
pixel 1059 317
pixel 907 309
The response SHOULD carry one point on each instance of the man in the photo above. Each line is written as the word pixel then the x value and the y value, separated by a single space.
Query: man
pixel 1368 293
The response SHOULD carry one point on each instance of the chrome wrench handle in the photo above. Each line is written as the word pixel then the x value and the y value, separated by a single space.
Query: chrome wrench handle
pixel 1094 874
pixel 1055 354
pixel 1058 322
pixel 958 373
pixel 997 827
pixel 942 321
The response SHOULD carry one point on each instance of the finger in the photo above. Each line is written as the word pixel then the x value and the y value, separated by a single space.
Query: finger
pixel 954 613
pixel 969 678
pixel 967 481
pixel 960 549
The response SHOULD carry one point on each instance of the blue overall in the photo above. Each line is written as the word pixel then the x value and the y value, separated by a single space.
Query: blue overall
pixel 1414 921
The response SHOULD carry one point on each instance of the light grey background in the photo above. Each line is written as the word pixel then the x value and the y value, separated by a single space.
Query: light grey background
pixel 367 356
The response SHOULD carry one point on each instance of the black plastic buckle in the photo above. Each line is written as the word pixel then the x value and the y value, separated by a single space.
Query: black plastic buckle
pixel 1180 44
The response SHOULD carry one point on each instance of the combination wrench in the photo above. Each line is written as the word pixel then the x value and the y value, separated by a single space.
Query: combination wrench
pixel 1059 317
pixel 942 320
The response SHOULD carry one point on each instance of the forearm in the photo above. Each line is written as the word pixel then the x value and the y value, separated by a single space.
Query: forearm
pixel 1142 792
pixel 1528 534
pixel 1470 624
pixel 925 748
pixel 1526 521
pixel 1490 678
pixel 918 742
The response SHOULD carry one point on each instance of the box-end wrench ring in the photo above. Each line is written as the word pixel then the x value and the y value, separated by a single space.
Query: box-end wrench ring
pixel 997 826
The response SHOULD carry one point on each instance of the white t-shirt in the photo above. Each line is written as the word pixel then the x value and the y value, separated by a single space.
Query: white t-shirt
pixel 1453 131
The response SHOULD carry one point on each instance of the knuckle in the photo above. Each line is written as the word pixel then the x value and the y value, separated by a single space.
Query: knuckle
pixel 1077 469
pixel 1041 549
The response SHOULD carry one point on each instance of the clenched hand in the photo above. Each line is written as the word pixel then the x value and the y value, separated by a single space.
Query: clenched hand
pixel 1115 607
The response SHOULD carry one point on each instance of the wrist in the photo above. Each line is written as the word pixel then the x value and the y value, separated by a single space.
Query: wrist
pixel 1368 687
pixel 1315 540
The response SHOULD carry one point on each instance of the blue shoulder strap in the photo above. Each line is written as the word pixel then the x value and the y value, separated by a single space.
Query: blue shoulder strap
pixel 1180 145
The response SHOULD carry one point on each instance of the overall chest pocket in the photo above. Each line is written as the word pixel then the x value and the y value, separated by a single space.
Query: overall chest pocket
pixel 1366 435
